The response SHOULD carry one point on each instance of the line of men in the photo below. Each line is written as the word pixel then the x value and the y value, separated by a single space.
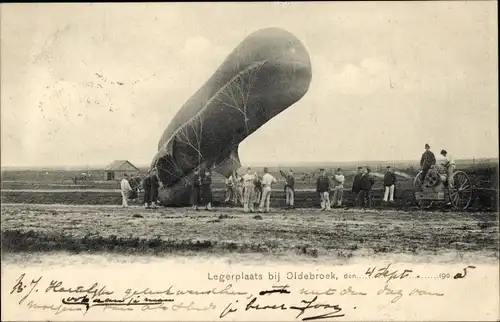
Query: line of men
pixel 251 188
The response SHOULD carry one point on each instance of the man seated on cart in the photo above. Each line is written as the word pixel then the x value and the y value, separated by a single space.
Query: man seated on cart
pixel 426 161
pixel 449 164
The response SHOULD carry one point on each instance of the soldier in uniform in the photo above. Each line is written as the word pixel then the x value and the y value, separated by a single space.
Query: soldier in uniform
pixel 206 188
pixel 426 161
pixel 449 164
pixel 146 185
pixel 258 188
pixel 195 189
pixel 289 188
pixel 229 188
pixel 339 188
pixel 323 187
pixel 155 185
pixel 248 194
pixel 356 184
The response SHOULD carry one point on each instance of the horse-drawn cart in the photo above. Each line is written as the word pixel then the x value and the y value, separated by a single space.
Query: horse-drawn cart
pixel 436 187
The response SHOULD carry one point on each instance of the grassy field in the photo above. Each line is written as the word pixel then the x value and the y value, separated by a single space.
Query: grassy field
pixel 339 233
pixel 43 214
pixel 485 201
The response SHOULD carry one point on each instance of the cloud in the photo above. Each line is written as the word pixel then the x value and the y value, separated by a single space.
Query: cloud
pixel 195 46
pixel 200 50
pixel 369 77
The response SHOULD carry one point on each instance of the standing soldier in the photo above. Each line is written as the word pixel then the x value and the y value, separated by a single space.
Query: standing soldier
pixel 206 187
pixel 426 161
pixel 195 189
pixel 258 188
pixel 125 190
pixel 389 181
pixel 248 196
pixel 366 187
pixel 267 181
pixel 339 188
pixel 289 188
pixel 356 184
pixel 146 186
pixel 229 188
pixel 323 187
pixel 238 183
pixel 449 165
pixel 155 184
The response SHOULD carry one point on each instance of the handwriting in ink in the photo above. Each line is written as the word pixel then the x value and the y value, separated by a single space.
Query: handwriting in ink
pixel 58 287
pixel 305 305
pixel 384 272
pixel 420 292
pixel 398 293
pixel 460 275
pixel 309 305
pixel 58 309
pixel 192 307
pixel 20 286
pixel 276 289
pixel 227 290
pixel 88 304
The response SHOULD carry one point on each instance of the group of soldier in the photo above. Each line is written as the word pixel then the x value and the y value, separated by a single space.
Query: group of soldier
pixel 253 189
pixel 428 160
pixel 150 186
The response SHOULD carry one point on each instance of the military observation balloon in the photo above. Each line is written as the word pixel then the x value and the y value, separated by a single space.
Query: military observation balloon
pixel 266 73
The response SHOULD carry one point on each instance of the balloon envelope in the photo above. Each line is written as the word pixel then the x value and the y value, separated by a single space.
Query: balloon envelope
pixel 266 73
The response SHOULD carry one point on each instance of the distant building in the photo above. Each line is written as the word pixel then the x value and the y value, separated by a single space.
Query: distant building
pixel 118 168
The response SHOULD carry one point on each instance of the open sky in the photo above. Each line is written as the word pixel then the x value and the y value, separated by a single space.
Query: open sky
pixel 388 77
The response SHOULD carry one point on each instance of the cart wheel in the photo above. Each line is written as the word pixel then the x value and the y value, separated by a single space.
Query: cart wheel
pixel 417 185
pixel 460 189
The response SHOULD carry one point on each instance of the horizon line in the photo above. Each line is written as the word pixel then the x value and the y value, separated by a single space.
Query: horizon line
pixel 251 164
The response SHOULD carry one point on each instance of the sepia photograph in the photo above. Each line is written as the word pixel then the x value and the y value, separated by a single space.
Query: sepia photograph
pixel 265 161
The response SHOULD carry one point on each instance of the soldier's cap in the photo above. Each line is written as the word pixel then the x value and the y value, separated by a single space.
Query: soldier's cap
pixel 321 169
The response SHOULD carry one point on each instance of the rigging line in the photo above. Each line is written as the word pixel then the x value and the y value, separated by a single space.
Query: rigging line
pixel 216 94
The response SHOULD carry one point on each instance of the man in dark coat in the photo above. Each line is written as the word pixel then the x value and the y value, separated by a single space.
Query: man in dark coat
pixel 356 184
pixel 258 188
pixel 134 184
pixel 146 185
pixel 323 187
pixel 365 189
pixel 206 189
pixel 195 190
pixel 155 185
pixel 426 161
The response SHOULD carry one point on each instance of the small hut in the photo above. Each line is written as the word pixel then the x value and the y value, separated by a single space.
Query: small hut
pixel 118 168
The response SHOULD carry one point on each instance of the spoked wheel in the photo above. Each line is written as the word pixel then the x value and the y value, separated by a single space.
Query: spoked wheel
pixel 460 189
pixel 417 185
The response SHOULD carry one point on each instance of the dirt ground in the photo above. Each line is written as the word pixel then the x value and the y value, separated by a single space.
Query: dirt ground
pixel 340 233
